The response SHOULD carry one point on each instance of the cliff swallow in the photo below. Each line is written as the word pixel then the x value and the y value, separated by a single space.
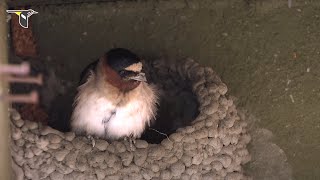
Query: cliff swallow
pixel 114 99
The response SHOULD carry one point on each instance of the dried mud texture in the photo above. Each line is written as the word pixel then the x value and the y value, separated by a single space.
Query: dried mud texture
pixel 213 147
pixel 269 161
pixel 23 41
pixel 34 113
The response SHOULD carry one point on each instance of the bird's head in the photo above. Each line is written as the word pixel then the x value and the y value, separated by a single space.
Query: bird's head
pixel 123 69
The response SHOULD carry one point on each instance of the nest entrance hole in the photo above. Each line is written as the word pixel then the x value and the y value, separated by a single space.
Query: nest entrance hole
pixel 175 111
pixel 178 105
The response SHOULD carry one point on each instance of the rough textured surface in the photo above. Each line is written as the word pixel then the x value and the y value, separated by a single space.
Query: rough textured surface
pixel 33 113
pixel 214 146
pixel 23 41
pixel 267 154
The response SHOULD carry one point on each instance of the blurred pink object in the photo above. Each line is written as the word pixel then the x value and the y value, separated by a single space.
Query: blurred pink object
pixel 22 69
pixel 10 72
pixel 32 80
pixel 22 98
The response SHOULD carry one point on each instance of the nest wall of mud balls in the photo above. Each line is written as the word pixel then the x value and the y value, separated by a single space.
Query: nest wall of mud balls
pixel 212 146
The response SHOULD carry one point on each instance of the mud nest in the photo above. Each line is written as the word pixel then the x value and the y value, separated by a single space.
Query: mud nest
pixel 212 146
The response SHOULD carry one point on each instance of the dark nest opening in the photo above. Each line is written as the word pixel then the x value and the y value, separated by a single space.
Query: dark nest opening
pixel 178 104
pixel 176 111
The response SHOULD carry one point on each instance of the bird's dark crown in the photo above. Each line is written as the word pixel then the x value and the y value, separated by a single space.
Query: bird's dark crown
pixel 119 58
pixel 123 69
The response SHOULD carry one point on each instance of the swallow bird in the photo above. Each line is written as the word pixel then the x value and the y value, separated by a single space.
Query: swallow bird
pixel 114 100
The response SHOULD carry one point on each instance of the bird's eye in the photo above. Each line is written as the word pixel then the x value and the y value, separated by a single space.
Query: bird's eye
pixel 122 73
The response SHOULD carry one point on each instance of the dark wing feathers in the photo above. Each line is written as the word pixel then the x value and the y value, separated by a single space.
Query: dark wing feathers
pixel 86 72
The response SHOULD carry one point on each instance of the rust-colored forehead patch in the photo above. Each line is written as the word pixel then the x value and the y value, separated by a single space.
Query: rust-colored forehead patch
pixel 137 67
pixel 113 78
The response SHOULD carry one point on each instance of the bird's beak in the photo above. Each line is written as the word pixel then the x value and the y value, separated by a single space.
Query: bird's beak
pixel 139 77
